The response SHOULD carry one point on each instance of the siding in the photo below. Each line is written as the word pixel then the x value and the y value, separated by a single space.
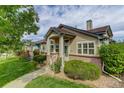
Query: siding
pixel 79 38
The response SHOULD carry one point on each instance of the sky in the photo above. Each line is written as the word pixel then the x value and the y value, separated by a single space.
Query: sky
pixel 76 16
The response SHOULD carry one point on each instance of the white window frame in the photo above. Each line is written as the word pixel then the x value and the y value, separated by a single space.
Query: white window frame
pixel 81 42
pixel 57 48
pixel 79 48
pixel 53 46
pixel 91 48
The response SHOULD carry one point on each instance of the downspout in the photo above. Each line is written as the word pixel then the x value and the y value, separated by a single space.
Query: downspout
pixel 110 74
pixel 103 66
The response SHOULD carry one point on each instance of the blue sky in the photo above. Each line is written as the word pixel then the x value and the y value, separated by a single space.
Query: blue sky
pixel 77 16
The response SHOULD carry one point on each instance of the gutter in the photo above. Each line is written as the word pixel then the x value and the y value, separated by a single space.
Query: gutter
pixel 110 74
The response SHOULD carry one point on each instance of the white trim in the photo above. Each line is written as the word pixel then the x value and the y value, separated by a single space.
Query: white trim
pixel 87 48
pixel 77 48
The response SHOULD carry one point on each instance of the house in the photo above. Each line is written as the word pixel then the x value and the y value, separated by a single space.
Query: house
pixel 41 45
pixel 70 43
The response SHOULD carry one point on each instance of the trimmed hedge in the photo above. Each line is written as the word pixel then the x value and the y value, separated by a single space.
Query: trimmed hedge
pixel 113 57
pixel 77 69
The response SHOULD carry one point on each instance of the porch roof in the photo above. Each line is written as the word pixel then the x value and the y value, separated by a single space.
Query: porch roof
pixel 59 32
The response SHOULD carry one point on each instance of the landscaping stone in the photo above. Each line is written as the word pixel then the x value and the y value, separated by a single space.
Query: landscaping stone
pixel 103 82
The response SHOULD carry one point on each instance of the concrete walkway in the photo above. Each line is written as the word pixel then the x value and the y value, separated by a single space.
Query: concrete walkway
pixel 25 79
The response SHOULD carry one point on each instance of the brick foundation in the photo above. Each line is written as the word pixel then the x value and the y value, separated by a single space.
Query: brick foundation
pixel 92 59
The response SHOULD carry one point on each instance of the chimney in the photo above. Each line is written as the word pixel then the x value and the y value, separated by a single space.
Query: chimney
pixel 89 25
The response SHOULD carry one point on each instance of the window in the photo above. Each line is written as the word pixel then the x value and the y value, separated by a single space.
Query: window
pixel 79 48
pixel 86 48
pixel 57 47
pixel 91 48
pixel 43 48
pixel 52 46
pixel 52 42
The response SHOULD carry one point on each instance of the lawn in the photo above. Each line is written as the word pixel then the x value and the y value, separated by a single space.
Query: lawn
pixel 10 59
pixel 13 68
pixel 53 82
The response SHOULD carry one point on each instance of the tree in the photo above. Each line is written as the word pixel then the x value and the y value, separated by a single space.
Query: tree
pixel 15 21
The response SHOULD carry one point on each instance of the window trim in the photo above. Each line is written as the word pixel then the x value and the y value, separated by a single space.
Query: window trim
pixel 81 42
pixel 53 46
pixel 79 48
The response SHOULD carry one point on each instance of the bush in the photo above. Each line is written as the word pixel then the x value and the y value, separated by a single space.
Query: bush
pixel 77 69
pixel 36 52
pixel 56 66
pixel 23 54
pixel 113 57
pixel 40 58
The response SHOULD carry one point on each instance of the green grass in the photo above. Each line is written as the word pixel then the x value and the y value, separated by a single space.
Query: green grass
pixel 13 68
pixel 10 59
pixel 53 82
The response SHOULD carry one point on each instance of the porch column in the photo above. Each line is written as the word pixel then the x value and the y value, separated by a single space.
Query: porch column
pixel 48 46
pixel 48 51
pixel 61 49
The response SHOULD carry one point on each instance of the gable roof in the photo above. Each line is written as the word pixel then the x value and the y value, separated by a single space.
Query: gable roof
pixel 96 32
pixel 58 31
pixel 101 30
pixel 78 30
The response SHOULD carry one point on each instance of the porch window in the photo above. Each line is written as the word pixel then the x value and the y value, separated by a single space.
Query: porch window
pixel 86 48
pixel 52 46
pixel 57 47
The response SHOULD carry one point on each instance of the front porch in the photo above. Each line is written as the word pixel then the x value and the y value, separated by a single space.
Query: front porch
pixel 58 47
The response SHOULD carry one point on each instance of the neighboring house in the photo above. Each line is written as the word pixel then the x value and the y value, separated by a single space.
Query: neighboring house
pixel 41 45
pixel 70 43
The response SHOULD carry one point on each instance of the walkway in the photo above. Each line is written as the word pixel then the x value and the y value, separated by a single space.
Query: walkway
pixel 25 79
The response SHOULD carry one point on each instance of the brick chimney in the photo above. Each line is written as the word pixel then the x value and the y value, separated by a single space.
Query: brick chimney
pixel 89 24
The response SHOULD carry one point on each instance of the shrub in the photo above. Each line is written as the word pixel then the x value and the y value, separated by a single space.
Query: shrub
pixel 56 66
pixel 40 58
pixel 113 57
pixel 77 69
pixel 23 54
pixel 36 52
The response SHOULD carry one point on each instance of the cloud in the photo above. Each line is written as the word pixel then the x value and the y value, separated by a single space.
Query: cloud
pixel 119 35
pixel 77 15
